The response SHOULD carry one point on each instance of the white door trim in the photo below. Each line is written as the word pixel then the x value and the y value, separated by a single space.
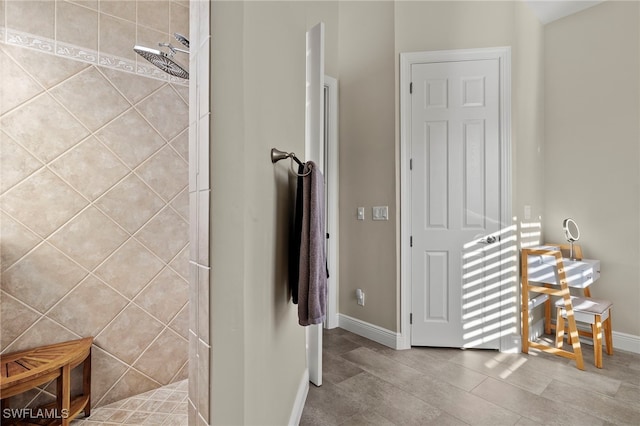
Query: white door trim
pixel 314 141
pixel 331 159
pixel 503 54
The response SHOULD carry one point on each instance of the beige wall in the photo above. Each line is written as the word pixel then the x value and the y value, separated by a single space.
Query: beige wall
pixel 372 35
pixel 93 205
pixel 592 145
pixel 258 96
pixel 367 160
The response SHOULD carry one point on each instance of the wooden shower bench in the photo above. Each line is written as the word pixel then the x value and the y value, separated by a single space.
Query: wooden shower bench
pixel 25 370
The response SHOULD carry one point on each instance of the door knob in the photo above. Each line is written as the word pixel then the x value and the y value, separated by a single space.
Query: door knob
pixel 490 239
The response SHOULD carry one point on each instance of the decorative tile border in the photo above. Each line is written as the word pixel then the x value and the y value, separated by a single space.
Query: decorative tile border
pixel 77 53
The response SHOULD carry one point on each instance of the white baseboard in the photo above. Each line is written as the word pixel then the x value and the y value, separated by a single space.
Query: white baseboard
pixel 378 334
pixel 301 398
pixel 626 342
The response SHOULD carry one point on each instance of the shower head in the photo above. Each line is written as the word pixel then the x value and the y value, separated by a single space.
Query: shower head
pixel 182 39
pixel 162 61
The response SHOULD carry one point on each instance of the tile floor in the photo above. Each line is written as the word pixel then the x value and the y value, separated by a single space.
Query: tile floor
pixel 163 406
pixel 369 384
pixel 366 383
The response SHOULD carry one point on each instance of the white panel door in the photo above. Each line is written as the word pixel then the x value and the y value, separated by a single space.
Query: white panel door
pixel 314 151
pixel 455 196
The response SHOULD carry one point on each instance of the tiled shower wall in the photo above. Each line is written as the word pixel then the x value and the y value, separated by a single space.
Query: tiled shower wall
pixel 93 203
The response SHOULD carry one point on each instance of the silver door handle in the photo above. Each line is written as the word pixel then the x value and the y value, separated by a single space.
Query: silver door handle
pixel 490 239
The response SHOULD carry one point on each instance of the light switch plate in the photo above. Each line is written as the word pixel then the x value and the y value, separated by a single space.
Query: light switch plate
pixel 360 213
pixel 380 213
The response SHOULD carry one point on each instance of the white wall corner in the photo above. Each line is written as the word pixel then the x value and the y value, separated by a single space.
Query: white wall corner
pixel 372 332
pixel 301 398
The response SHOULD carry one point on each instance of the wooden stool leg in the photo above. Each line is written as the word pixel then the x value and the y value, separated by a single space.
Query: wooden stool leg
pixel 596 328
pixel 86 383
pixel 559 328
pixel 547 317
pixel 609 334
pixel 65 394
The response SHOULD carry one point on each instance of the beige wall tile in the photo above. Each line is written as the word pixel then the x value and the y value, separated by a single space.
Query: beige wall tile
pixel 181 204
pixel 56 126
pixel 166 111
pixel 181 144
pixel 100 99
pixel 15 163
pixel 45 68
pixel 89 238
pixel 43 332
pixel 20 316
pixel 43 201
pixel 16 85
pixel 129 334
pixel 91 4
pixel 180 264
pixel 16 241
pixel 124 9
pixel 76 25
pixel 133 87
pixel 180 324
pixel 106 370
pixel 91 98
pixel 164 358
pixel 203 304
pixel 165 234
pixel 88 308
pixel 131 137
pixel 203 385
pixel 130 268
pixel 164 296
pixel 78 166
pixel 166 185
pixel 33 17
pixel 42 277
pixel 131 383
pixel 117 37
pixel 154 14
pixel 179 20
pixel 3 5
pixel 131 203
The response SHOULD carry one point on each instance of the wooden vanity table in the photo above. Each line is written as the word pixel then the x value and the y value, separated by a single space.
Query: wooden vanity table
pixel 545 272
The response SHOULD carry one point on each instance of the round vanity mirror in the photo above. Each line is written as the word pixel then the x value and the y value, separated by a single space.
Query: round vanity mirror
pixel 571 230
pixel 572 233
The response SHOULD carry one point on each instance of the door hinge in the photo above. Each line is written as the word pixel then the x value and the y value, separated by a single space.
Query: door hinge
pixel 410 318
pixel 411 241
pixel 410 163
pixel 411 88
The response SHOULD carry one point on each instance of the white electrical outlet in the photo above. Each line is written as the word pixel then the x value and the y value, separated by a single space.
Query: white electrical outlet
pixel 380 213
pixel 360 296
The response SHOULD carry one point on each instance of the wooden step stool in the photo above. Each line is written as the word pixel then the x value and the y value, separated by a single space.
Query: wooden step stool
pixel 28 369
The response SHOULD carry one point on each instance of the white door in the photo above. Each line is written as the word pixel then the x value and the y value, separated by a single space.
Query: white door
pixel 454 200
pixel 314 151
pixel 331 195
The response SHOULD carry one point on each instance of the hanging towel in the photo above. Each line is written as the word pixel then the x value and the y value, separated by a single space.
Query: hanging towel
pixel 312 284
pixel 294 241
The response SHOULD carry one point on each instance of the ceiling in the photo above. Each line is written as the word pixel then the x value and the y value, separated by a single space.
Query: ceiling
pixel 550 10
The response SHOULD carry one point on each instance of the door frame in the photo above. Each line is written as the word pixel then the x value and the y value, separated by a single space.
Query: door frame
pixel 503 54
pixel 331 177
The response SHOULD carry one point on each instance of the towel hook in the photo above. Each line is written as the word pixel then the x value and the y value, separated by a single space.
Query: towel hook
pixel 277 155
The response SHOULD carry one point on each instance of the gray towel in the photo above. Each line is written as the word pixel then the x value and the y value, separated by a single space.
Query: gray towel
pixel 312 286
